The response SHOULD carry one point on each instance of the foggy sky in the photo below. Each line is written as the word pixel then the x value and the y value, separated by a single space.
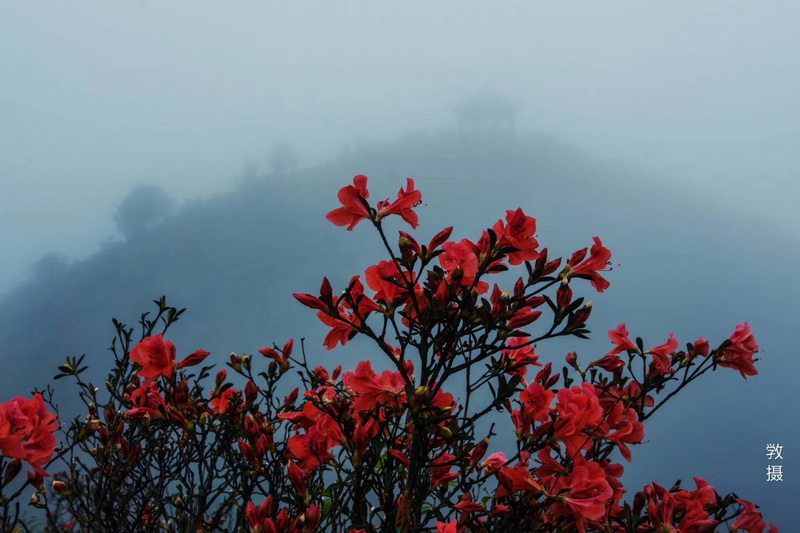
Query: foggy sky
pixel 97 97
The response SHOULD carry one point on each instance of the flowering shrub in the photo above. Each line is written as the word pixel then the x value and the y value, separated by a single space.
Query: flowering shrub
pixel 399 446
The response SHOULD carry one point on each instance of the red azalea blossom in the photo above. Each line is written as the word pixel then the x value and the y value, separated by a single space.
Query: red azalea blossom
pixel 579 412
pixel 589 493
pixel 440 474
pixel 194 359
pixel 518 232
pixel 311 448
pixel 523 317
pixel 622 427
pixel 661 354
pixel 449 527
pixel 700 347
pixel 739 355
pixel 371 390
pixel 310 416
pixel 353 209
pixel 146 400
pixel 609 363
pixel 682 510
pixel 620 337
pixel 590 268
pixel 27 431
pixel 156 357
pixel 282 359
pixel 750 520
pixel 388 282
pixel 460 261
pixel 519 354
pixel 407 199
pixel 220 403
pixel 353 200
pixel 351 311
pixel 535 404
pixel 515 479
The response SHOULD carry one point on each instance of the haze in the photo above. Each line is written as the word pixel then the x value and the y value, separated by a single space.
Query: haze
pixel 686 110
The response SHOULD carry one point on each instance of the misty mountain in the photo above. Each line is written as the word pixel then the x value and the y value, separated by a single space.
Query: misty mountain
pixel 682 265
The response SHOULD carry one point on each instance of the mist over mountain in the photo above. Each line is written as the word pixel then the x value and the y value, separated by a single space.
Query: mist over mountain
pixel 681 264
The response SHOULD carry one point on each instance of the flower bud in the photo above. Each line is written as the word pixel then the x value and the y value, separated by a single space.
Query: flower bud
pixel 12 470
pixel 572 360
pixel 422 393
pixel 582 314
pixel 250 393
pixel 563 295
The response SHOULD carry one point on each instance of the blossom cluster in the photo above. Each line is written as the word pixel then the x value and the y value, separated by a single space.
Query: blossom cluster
pixel 407 440
pixel 27 431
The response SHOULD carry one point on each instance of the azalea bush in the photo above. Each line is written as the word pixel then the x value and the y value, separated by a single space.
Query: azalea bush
pixel 410 439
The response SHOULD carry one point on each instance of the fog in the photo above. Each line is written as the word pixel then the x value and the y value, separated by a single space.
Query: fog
pixel 669 129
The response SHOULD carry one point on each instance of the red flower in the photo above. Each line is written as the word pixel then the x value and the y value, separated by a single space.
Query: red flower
pixel 523 317
pixel 517 233
pixel 311 417
pixel 146 400
pixel 682 510
pixel 620 337
pixel 589 491
pixel 156 357
pixel 590 268
pixel 194 359
pixel 407 199
pixel 518 356
pixel 461 263
pixel 344 315
pixel 450 527
pixel 514 479
pixel 534 407
pixel 259 518
pixel 221 402
pixel 622 427
pixel 388 282
pixel 353 209
pixel 281 359
pixel 578 411
pixel 700 347
pixel 27 431
pixel 310 449
pixel 739 355
pixel 661 354
pixel 493 463
pixel 609 363
pixel 440 474
pixel 371 390
pixel 750 519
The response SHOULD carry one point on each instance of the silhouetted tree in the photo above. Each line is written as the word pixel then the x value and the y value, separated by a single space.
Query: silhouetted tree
pixel 50 267
pixel 486 111
pixel 145 206
pixel 283 158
